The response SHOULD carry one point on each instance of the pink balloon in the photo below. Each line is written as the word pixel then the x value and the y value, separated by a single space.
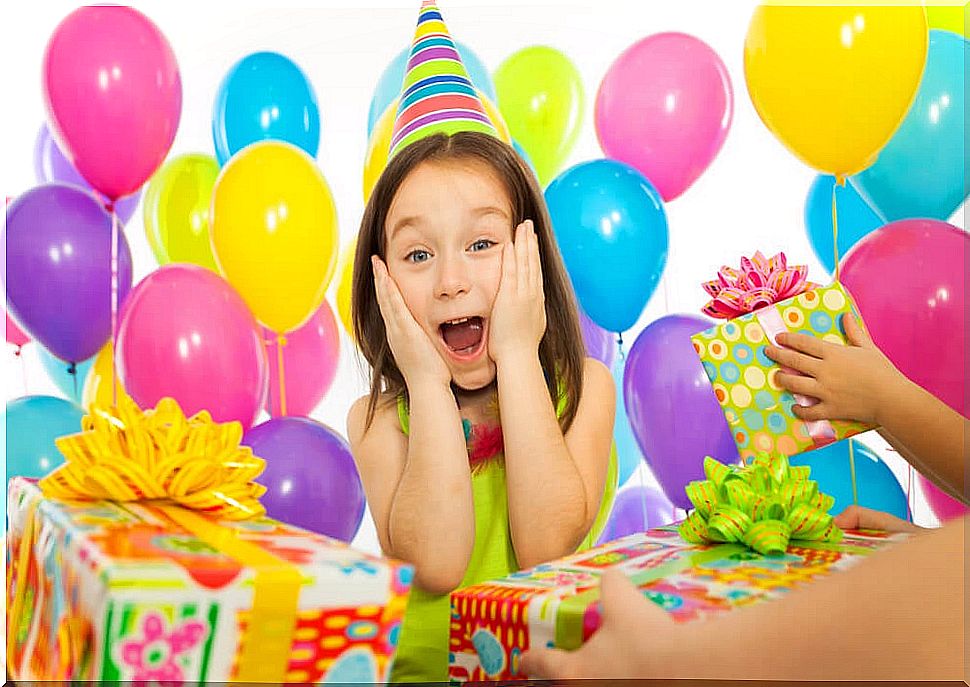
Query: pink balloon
pixel 944 506
pixel 15 335
pixel 909 280
pixel 184 332
pixel 310 357
pixel 113 96
pixel 665 107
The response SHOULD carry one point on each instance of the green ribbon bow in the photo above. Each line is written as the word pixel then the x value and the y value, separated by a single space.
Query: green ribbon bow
pixel 763 504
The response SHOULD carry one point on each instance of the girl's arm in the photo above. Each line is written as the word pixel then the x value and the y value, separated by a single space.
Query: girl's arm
pixel 418 486
pixel 554 483
pixel 900 615
pixel 858 382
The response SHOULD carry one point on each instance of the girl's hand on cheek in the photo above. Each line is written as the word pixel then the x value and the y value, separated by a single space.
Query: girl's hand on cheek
pixel 518 319
pixel 414 353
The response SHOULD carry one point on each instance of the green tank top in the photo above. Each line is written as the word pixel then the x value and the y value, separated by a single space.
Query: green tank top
pixel 422 652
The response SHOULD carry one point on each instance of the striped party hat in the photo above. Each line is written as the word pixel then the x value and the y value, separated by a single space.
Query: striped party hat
pixel 437 95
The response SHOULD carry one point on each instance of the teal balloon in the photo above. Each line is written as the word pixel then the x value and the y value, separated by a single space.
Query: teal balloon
pixel 855 216
pixel 265 96
pixel 389 86
pixel 876 485
pixel 611 227
pixel 32 423
pixel 71 385
pixel 922 171
pixel 627 451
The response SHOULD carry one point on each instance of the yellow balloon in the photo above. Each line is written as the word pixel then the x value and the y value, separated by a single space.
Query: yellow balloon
pixel 97 385
pixel 274 230
pixel 345 286
pixel 833 83
pixel 953 18
pixel 379 146
pixel 177 210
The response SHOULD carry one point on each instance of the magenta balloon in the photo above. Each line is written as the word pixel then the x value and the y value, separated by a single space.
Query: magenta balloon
pixel 311 479
pixel 600 344
pixel 665 107
pixel 185 333
pixel 675 416
pixel 52 166
pixel 15 334
pixel 310 357
pixel 58 269
pixel 909 280
pixel 944 506
pixel 113 95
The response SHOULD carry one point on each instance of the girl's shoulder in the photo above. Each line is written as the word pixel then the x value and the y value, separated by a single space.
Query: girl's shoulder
pixel 385 416
pixel 597 374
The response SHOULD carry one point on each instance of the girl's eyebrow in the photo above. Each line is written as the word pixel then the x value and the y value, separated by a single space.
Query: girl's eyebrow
pixel 490 210
pixel 401 224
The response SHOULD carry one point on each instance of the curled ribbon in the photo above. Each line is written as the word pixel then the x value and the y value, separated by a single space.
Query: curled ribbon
pixel 759 283
pixel 763 504
pixel 126 454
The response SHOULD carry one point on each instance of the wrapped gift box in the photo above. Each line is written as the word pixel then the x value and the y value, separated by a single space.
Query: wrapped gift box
pixel 758 411
pixel 557 604
pixel 121 592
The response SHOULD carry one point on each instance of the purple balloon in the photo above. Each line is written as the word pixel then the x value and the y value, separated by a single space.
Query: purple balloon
pixel 629 509
pixel 600 344
pixel 51 166
pixel 58 269
pixel 675 416
pixel 311 479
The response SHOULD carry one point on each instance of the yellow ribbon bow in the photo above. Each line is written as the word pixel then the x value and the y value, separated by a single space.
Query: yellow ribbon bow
pixel 126 454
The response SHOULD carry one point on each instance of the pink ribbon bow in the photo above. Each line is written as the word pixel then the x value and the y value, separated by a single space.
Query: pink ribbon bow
pixel 760 282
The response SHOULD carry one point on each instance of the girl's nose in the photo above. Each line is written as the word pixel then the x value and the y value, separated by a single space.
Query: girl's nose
pixel 452 278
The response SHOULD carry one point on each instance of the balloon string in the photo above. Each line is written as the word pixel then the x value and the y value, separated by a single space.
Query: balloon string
pixel 280 342
pixel 909 493
pixel 114 301
pixel 855 491
pixel 839 181
pixel 72 370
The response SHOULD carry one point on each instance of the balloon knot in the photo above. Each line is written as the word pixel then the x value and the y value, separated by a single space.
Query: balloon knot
pixel 72 369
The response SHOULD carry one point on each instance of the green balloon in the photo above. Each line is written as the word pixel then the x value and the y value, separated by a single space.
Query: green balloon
pixel 540 95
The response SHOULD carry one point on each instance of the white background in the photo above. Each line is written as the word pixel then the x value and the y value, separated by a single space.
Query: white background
pixel 752 197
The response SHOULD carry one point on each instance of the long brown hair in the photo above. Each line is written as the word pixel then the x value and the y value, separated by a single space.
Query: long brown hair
pixel 561 351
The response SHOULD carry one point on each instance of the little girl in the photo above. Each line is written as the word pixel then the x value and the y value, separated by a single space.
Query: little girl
pixel 484 444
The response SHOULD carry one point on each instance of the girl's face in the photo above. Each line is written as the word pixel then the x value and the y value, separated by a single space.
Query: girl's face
pixel 445 231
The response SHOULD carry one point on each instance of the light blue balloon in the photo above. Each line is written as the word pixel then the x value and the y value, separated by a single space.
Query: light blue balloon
pixel 627 451
pixel 265 96
pixel 876 485
pixel 856 218
pixel 389 86
pixel 525 156
pixel 32 423
pixel 70 385
pixel 922 170
pixel 611 227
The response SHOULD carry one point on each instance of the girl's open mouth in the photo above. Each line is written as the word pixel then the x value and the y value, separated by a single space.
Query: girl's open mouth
pixel 464 337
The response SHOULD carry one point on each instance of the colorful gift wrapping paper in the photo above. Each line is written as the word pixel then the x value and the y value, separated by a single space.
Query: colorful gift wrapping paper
pixel 743 377
pixel 557 604
pixel 123 592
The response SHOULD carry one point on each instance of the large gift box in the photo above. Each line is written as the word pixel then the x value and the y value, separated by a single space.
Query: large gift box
pixel 557 604
pixel 183 588
pixel 762 299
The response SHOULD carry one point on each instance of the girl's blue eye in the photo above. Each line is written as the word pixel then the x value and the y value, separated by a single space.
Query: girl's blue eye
pixel 482 244
pixel 417 256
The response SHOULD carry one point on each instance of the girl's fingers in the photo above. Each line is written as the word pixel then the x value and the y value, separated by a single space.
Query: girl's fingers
pixel 819 411
pixel 508 268
pixel 854 332
pixel 521 258
pixel 798 384
pixel 534 258
pixel 793 359
pixel 803 343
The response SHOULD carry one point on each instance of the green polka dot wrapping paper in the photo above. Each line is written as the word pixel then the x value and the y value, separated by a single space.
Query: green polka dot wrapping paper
pixel 742 377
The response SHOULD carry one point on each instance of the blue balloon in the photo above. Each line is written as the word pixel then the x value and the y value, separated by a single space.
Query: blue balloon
pixel 611 228
pixel 922 170
pixel 71 385
pixel 876 485
pixel 32 424
pixel 389 86
pixel 856 218
pixel 265 96
pixel 525 156
pixel 627 452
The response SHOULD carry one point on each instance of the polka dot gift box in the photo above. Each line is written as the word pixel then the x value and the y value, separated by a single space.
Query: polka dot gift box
pixel 760 300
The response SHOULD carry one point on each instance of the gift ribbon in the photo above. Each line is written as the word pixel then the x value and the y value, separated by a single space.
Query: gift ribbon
pixel 821 431
pixel 763 505
pixel 191 470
